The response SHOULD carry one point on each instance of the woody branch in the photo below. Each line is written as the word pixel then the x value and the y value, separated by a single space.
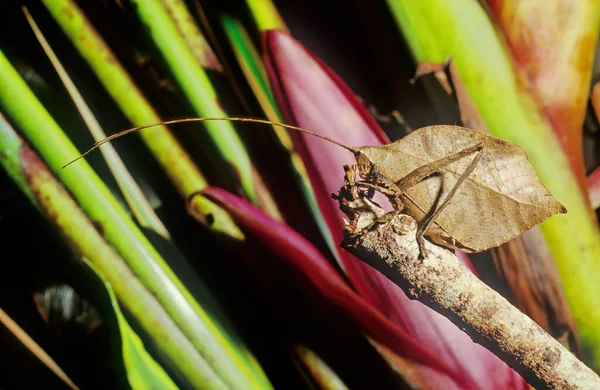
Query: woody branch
pixel 443 283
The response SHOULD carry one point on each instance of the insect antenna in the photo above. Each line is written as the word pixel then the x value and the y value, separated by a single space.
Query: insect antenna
pixel 185 120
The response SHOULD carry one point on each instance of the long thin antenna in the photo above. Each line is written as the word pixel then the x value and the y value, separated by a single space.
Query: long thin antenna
pixel 184 120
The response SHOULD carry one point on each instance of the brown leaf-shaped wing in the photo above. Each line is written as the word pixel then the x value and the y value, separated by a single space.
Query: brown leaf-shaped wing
pixel 500 199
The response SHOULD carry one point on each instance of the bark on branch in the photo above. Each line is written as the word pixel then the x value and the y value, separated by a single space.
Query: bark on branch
pixel 443 283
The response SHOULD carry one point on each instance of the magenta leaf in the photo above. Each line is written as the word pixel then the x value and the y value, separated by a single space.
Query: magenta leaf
pixel 299 253
pixel 310 95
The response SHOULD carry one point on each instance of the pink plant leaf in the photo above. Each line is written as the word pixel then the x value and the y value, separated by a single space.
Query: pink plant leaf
pixel 299 253
pixel 310 95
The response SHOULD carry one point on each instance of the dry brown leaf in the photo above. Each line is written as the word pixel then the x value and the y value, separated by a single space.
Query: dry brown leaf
pixel 501 198
pixel 449 79
pixel 439 72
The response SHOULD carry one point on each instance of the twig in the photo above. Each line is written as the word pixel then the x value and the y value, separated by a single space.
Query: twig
pixel 34 347
pixel 443 283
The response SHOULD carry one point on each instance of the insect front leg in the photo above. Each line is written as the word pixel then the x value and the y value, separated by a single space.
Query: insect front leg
pixel 352 190
pixel 374 187
pixel 386 186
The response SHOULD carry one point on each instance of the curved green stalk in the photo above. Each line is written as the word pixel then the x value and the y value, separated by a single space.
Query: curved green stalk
pixel 438 29
pixel 178 165
pixel 229 358
pixel 37 182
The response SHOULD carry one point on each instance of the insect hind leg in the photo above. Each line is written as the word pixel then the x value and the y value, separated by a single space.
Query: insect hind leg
pixel 424 225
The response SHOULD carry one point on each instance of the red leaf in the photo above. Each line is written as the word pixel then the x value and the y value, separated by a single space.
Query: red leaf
pixel 310 95
pixel 305 258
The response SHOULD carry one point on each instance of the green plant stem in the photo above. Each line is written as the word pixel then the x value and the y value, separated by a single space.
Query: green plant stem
pixel 438 29
pixel 199 90
pixel 265 15
pixel 50 197
pixel 229 358
pixel 133 194
pixel 192 35
pixel 184 174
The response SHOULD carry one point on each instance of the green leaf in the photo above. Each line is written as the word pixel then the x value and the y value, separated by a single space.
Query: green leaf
pixel 143 371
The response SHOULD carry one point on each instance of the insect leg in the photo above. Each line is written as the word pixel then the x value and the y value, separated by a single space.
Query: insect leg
pixel 432 217
pixel 427 170
pixel 384 190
